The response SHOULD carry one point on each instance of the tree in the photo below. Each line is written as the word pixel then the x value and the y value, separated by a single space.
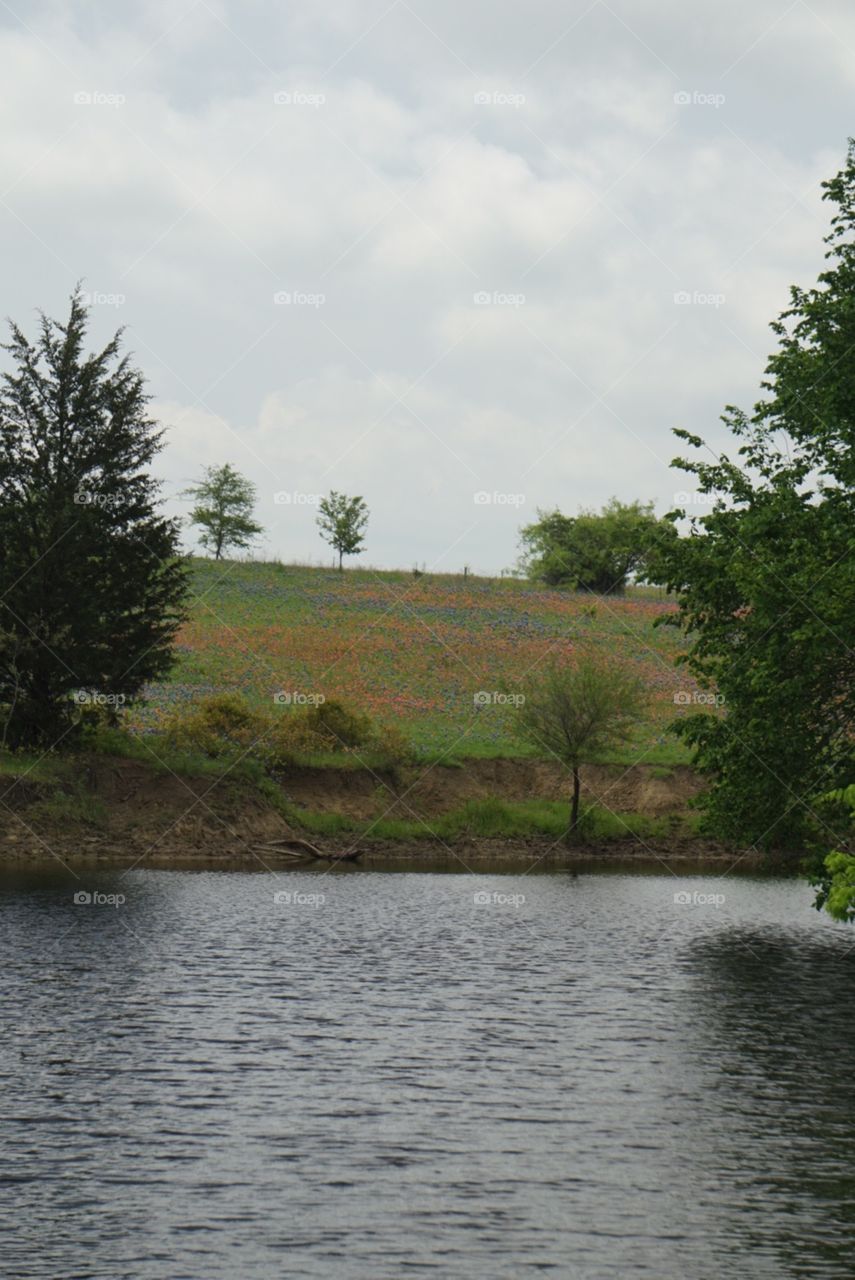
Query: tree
pixel 590 551
pixel 835 880
pixel 577 712
pixel 225 500
pixel 91 582
pixel 766 580
pixel 342 521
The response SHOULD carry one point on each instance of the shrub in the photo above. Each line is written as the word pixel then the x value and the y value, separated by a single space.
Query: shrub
pixel 226 724
pixel 221 725
pixel 391 746
pixel 291 738
pixel 338 727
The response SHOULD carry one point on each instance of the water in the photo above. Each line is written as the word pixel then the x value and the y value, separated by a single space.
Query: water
pixel 592 1082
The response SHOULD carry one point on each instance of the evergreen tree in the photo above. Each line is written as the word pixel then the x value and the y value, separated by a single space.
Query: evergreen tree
pixel 91 583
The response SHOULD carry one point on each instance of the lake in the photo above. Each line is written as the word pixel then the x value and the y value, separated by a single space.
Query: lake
pixel 389 1075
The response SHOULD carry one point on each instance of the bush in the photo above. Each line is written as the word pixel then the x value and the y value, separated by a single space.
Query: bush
pixel 290 739
pixel 219 726
pixel 391 746
pixel 225 725
pixel 338 727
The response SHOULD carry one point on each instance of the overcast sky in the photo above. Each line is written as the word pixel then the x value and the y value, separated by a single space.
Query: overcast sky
pixel 487 217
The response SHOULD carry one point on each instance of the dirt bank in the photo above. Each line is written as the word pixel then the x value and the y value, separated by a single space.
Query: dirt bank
pixel 639 789
pixel 122 810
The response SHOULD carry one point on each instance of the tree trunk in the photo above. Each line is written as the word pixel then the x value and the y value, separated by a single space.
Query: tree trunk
pixel 340 568
pixel 574 807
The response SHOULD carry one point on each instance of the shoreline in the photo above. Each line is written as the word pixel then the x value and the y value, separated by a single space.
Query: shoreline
pixel 115 811
pixel 485 855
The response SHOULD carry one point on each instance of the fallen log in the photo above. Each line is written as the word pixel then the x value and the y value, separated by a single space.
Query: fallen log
pixel 309 850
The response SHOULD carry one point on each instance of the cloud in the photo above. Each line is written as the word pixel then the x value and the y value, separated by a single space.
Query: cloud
pixel 581 169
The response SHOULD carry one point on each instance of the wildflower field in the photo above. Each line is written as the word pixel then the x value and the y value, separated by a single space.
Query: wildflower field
pixel 440 656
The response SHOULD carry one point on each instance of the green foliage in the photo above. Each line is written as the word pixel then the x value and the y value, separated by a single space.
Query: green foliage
pixel 489 818
pixel 338 727
pixel 766 581
pixel 224 504
pixel 72 805
pixel 575 713
pixel 221 725
pixel 91 584
pixel 839 897
pixel 342 522
pixel 590 551
pixel 835 882
pixel 225 726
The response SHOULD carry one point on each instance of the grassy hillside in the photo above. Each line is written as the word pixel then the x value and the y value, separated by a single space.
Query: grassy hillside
pixel 414 651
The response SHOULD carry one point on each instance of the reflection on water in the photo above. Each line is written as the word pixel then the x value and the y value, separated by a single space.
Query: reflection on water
pixel 382 1075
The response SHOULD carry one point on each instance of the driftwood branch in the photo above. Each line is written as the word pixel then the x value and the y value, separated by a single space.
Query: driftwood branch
pixel 288 844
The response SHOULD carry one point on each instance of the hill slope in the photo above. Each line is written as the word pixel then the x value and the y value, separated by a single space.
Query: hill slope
pixel 414 651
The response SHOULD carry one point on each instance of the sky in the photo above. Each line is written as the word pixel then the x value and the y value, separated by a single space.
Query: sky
pixel 465 260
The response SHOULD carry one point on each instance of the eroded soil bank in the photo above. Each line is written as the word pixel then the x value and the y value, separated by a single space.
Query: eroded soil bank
pixel 122 811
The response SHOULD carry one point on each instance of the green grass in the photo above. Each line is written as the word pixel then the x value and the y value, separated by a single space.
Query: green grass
pixel 489 818
pixel 412 652
pixel 36 766
pixel 76 806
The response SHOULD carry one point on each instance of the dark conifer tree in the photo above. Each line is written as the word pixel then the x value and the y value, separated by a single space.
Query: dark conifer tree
pixel 91 580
